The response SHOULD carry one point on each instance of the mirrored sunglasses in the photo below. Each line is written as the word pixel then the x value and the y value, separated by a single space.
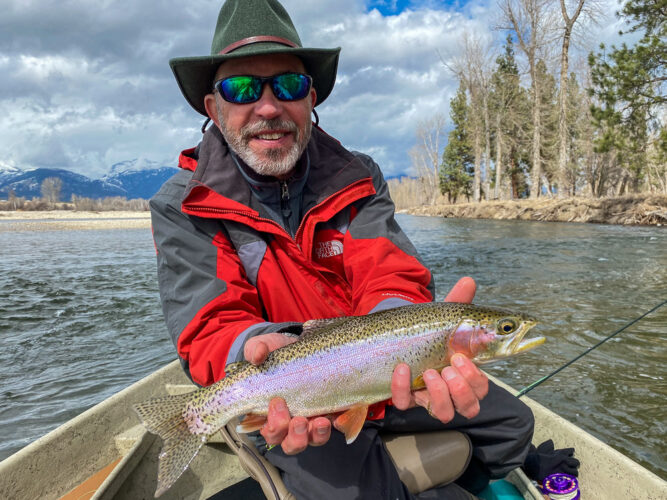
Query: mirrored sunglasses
pixel 244 89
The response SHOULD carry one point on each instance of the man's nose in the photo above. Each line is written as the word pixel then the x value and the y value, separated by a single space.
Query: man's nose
pixel 268 106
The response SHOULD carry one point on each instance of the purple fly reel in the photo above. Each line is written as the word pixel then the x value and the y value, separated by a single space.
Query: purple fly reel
pixel 561 487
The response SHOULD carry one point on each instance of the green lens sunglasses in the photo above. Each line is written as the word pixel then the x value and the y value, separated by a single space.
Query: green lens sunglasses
pixel 244 89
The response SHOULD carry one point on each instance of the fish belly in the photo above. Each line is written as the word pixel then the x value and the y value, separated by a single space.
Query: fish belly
pixel 340 377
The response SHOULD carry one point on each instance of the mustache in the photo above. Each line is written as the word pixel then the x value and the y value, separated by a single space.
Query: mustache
pixel 252 129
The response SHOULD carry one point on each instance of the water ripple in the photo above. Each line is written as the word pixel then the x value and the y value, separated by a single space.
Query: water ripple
pixel 80 319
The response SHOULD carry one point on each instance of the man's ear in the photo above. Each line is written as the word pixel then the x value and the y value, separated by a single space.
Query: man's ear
pixel 313 97
pixel 211 108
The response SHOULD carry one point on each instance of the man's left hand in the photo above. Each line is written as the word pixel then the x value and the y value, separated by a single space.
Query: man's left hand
pixel 457 388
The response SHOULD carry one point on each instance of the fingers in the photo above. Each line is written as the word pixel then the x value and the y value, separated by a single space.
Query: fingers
pixel 462 396
pixel 439 404
pixel 277 422
pixel 476 379
pixel 319 430
pixel 463 291
pixel 293 434
pixel 297 437
pixel 401 396
pixel 257 349
pixel 458 388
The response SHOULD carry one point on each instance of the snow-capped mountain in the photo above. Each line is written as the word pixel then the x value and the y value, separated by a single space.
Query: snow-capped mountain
pixel 130 179
pixel 140 178
pixel 8 171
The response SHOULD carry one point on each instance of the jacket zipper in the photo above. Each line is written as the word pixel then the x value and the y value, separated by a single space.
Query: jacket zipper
pixel 284 192
pixel 284 202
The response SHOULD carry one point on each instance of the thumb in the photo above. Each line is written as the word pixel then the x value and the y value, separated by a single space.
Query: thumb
pixel 255 350
pixel 463 291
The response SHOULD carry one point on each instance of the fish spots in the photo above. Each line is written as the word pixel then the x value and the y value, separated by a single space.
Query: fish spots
pixel 194 420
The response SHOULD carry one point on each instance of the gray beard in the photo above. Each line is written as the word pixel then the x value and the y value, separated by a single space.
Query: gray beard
pixel 274 163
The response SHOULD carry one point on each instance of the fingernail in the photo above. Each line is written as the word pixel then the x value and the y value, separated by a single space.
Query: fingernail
pixel 430 375
pixel 402 370
pixel 280 406
pixel 300 427
pixel 458 361
pixel 449 374
pixel 321 430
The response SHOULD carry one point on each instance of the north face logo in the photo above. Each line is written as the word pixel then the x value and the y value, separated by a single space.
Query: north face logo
pixel 326 249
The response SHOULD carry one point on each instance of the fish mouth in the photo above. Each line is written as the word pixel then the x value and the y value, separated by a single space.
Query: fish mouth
pixel 519 344
pixel 528 344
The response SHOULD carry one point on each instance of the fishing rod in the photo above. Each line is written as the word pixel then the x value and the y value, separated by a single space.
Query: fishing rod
pixel 547 377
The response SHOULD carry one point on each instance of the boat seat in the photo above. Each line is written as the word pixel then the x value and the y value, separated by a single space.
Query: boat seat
pixel 423 460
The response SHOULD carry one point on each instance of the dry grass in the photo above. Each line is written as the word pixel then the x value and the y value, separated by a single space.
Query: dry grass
pixel 648 209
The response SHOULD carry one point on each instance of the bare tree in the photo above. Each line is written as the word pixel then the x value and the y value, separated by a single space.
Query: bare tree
pixel 50 188
pixel 532 21
pixel 426 154
pixel 590 11
pixel 473 66
pixel 406 192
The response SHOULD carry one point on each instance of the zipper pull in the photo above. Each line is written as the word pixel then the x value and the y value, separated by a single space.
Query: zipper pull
pixel 284 200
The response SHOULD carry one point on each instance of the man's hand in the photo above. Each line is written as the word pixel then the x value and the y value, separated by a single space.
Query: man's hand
pixel 292 434
pixel 458 388
pixel 257 348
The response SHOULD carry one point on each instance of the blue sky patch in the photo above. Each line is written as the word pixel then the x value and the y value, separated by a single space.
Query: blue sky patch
pixel 395 7
pixel 389 7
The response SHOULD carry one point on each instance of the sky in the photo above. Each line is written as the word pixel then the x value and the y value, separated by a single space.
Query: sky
pixel 87 84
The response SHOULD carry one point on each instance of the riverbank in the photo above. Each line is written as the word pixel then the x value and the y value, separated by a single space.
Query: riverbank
pixel 648 209
pixel 60 220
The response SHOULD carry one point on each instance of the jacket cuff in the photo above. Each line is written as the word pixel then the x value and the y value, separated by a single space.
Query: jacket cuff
pixel 236 351
pixel 390 304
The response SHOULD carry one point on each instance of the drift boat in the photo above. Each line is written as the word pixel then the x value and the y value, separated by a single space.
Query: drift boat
pixel 105 453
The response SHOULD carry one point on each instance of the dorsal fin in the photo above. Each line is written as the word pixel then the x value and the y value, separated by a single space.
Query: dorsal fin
pixel 232 367
pixel 313 326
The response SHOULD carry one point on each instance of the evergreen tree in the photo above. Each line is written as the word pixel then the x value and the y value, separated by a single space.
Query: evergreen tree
pixel 507 116
pixel 578 121
pixel 457 160
pixel 548 108
pixel 629 84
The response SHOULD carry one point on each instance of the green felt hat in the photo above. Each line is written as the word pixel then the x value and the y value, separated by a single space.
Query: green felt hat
pixel 249 28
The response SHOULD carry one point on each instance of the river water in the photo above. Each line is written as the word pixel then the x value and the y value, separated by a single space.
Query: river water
pixel 80 319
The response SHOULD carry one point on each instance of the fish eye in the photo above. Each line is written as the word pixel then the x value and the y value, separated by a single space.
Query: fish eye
pixel 506 326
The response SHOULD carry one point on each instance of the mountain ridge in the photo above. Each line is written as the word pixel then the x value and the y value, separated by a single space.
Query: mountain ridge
pixel 131 182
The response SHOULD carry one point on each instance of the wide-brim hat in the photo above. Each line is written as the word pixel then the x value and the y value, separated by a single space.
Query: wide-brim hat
pixel 251 28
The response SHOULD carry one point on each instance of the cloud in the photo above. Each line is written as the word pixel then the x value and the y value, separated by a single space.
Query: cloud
pixel 87 84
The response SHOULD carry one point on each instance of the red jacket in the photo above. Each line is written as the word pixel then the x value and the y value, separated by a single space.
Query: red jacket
pixel 229 268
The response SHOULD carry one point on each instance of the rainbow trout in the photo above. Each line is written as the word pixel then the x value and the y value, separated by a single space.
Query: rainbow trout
pixel 337 365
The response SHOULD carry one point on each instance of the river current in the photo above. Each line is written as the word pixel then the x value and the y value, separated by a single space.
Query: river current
pixel 80 319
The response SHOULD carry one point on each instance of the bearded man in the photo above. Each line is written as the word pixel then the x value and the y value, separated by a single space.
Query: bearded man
pixel 270 223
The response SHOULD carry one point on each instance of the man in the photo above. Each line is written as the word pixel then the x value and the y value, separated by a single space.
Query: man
pixel 271 223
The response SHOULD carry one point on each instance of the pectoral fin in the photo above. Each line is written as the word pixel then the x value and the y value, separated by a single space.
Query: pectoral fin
pixel 418 382
pixel 251 423
pixel 351 422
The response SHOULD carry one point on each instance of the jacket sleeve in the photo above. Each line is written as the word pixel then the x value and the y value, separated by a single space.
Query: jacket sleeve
pixel 381 263
pixel 210 308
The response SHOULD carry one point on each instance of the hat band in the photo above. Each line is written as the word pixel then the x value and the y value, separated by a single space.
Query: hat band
pixel 256 39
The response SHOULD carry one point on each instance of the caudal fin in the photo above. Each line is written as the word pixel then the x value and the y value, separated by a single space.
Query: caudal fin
pixel 164 416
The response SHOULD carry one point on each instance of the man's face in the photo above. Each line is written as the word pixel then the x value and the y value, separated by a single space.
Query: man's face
pixel 268 135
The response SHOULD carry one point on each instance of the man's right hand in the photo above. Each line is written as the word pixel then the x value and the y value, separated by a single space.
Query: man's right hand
pixel 292 434
pixel 257 348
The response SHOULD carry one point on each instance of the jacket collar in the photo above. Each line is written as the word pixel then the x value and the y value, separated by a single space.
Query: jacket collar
pixel 218 183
